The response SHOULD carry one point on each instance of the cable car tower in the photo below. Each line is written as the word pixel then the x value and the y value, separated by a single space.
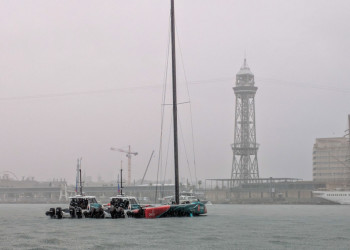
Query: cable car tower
pixel 245 148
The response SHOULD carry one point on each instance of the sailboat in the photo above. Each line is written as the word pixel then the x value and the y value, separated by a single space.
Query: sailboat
pixel 174 210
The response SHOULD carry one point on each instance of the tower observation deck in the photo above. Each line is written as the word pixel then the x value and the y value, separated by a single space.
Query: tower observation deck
pixel 245 148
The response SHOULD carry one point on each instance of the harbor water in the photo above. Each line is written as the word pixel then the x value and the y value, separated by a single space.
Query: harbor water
pixel 25 226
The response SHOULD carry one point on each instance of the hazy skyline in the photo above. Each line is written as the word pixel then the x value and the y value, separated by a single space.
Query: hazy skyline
pixel 78 77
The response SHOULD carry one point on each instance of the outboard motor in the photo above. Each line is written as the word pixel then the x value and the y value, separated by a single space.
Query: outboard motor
pixel 86 214
pixel 96 211
pixel 113 212
pixel 126 205
pixel 120 212
pixel 78 212
pixel 59 213
pixel 92 212
pixel 72 212
pixel 100 213
pixel 51 213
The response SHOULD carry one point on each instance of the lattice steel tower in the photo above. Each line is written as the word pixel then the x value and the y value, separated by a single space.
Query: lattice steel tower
pixel 245 148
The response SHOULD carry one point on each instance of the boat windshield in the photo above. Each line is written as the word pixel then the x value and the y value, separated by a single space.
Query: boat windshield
pixel 133 201
pixel 73 202
pixel 79 202
pixel 92 200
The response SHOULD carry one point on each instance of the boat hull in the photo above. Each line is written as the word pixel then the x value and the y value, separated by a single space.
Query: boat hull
pixel 340 197
pixel 182 210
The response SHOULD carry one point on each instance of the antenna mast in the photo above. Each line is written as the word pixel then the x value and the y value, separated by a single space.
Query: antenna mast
pixel 121 177
pixel 81 183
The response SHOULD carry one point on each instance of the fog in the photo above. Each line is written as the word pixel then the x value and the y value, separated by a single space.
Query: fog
pixel 78 77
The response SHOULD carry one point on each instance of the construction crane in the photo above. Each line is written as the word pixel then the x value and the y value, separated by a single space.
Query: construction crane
pixel 129 154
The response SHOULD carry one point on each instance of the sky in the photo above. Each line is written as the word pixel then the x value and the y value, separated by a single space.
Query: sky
pixel 80 77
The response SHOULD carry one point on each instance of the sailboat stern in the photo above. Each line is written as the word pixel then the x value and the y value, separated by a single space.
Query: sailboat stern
pixel 199 208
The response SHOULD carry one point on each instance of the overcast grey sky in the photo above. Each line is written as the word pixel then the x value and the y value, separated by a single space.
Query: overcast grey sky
pixel 96 70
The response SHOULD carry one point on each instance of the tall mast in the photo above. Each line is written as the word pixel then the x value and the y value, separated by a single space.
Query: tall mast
pixel 173 63
pixel 121 181
pixel 77 177
pixel 129 166
pixel 81 183
pixel 121 177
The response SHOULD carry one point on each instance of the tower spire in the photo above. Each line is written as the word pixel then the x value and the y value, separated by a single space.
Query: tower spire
pixel 245 64
pixel 245 59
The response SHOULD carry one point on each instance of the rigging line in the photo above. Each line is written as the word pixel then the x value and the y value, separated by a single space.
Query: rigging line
pixel 213 80
pixel 183 142
pixel 87 92
pixel 281 83
pixel 196 82
pixel 179 103
pixel 188 94
pixel 162 107
pixel 270 81
pixel 160 159
pixel 102 91
pixel 304 85
pixel 67 94
pixel 167 151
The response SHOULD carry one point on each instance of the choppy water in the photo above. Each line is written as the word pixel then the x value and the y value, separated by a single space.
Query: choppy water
pixel 225 227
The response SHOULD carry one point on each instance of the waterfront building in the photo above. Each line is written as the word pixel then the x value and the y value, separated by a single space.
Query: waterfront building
pixel 331 162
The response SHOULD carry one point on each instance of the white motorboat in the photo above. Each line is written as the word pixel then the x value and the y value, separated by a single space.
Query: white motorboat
pixel 186 198
pixel 80 206
pixel 119 205
pixel 338 196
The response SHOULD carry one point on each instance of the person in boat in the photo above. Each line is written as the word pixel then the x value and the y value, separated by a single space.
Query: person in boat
pixel 86 203
pixel 73 202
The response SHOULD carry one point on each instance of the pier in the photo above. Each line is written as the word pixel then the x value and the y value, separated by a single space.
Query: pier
pixel 262 191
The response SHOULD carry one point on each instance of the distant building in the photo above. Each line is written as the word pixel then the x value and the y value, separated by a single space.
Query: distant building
pixel 331 162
